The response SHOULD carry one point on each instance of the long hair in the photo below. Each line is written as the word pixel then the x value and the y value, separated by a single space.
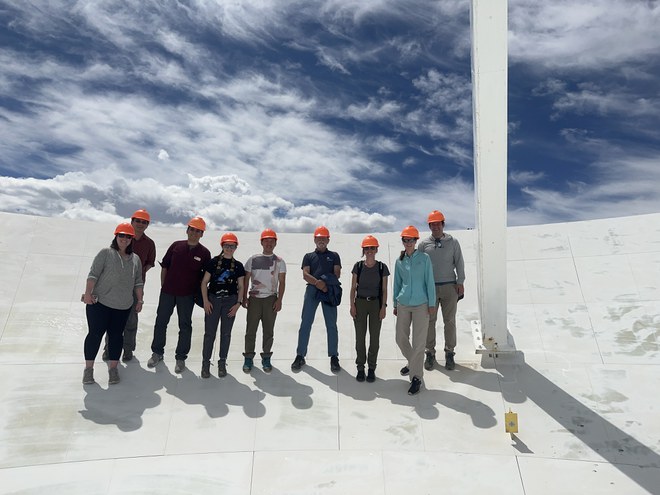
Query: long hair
pixel 115 246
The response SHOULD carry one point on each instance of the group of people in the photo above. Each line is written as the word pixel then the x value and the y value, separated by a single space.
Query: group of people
pixel 427 276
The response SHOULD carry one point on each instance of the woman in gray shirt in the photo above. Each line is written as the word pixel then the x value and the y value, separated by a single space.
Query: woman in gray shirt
pixel 115 273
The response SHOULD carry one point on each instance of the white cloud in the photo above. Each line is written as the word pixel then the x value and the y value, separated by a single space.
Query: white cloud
pixel 163 155
pixel 583 34
pixel 525 177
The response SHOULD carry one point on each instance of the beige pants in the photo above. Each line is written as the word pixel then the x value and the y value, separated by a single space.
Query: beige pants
pixel 447 300
pixel 413 350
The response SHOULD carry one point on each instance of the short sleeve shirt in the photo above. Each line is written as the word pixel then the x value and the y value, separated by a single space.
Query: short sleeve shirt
pixel 369 281
pixel 224 276
pixel 264 274
pixel 184 266
pixel 321 263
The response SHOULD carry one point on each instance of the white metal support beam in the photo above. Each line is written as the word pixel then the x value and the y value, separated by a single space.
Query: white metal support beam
pixel 488 23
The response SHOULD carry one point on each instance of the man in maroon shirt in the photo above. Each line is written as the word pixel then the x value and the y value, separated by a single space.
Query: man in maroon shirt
pixel 145 248
pixel 180 278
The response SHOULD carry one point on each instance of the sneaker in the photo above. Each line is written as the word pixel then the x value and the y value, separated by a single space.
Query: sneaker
pixel 334 364
pixel 371 375
pixel 154 360
pixel 429 361
pixel 206 369
pixel 180 366
pixel 265 364
pixel 104 356
pixel 222 368
pixel 298 363
pixel 414 386
pixel 88 376
pixel 247 365
pixel 360 375
pixel 450 364
pixel 404 371
pixel 128 355
pixel 113 376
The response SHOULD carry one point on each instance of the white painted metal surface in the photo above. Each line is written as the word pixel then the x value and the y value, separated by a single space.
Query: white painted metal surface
pixel 488 20
pixel 584 302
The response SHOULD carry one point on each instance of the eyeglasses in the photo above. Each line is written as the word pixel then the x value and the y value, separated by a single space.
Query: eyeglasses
pixel 125 236
pixel 370 248
pixel 407 240
pixel 139 220
pixel 195 231
pixel 229 246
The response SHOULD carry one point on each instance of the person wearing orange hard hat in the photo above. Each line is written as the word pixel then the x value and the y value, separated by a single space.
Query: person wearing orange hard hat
pixel 449 275
pixel 180 279
pixel 222 292
pixel 115 275
pixel 413 293
pixel 321 270
pixel 265 276
pixel 145 248
pixel 368 306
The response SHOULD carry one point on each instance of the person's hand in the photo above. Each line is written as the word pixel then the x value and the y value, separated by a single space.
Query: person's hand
pixel 353 311
pixel 320 285
pixel 233 310
pixel 89 299
pixel 431 310
pixel 277 305
pixel 208 307
pixel 245 302
pixel 383 313
pixel 394 311
pixel 138 306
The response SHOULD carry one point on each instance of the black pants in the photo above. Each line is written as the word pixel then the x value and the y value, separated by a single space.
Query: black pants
pixel 102 319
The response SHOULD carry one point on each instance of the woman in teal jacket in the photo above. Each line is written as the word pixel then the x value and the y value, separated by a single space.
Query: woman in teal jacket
pixel 414 302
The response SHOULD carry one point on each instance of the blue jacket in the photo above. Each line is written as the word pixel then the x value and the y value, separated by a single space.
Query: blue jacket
pixel 333 296
pixel 413 281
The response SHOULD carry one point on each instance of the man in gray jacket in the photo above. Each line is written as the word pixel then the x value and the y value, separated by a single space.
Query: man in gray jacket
pixel 449 274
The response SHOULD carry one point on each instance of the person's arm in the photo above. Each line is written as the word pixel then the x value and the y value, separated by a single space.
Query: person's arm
pixel 281 285
pixel 163 274
pixel 353 309
pixel 311 279
pixel 430 285
pixel 234 309
pixel 208 307
pixel 460 270
pixel 139 294
pixel 383 298
pixel 89 288
pixel 246 288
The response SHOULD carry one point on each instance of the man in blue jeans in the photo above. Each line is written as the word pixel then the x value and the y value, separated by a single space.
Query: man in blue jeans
pixel 317 265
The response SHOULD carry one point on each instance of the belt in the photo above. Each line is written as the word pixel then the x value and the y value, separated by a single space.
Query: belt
pixel 446 283
pixel 369 298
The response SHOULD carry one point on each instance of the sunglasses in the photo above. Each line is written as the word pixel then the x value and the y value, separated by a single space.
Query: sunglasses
pixel 370 248
pixel 407 240
pixel 195 231
pixel 229 246
pixel 139 220
pixel 125 236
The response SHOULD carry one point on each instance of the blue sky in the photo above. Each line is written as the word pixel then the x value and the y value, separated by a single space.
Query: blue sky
pixel 349 113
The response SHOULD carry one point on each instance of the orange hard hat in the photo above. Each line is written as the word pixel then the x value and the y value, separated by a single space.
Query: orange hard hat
pixel 142 215
pixel 229 237
pixel 125 228
pixel 369 241
pixel 197 223
pixel 268 234
pixel 436 216
pixel 322 231
pixel 410 231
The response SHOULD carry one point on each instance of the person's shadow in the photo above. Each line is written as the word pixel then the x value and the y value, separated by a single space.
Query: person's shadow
pixel 122 404
pixel 215 394
pixel 278 384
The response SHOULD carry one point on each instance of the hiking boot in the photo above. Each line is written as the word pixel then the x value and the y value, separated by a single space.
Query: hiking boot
pixel 128 355
pixel 371 375
pixel 180 366
pixel 414 386
pixel 154 360
pixel 404 371
pixel 360 375
pixel 265 364
pixel 222 368
pixel 334 364
pixel 206 369
pixel 247 365
pixel 105 356
pixel 113 376
pixel 429 361
pixel 450 364
pixel 88 376
pixel 298 363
